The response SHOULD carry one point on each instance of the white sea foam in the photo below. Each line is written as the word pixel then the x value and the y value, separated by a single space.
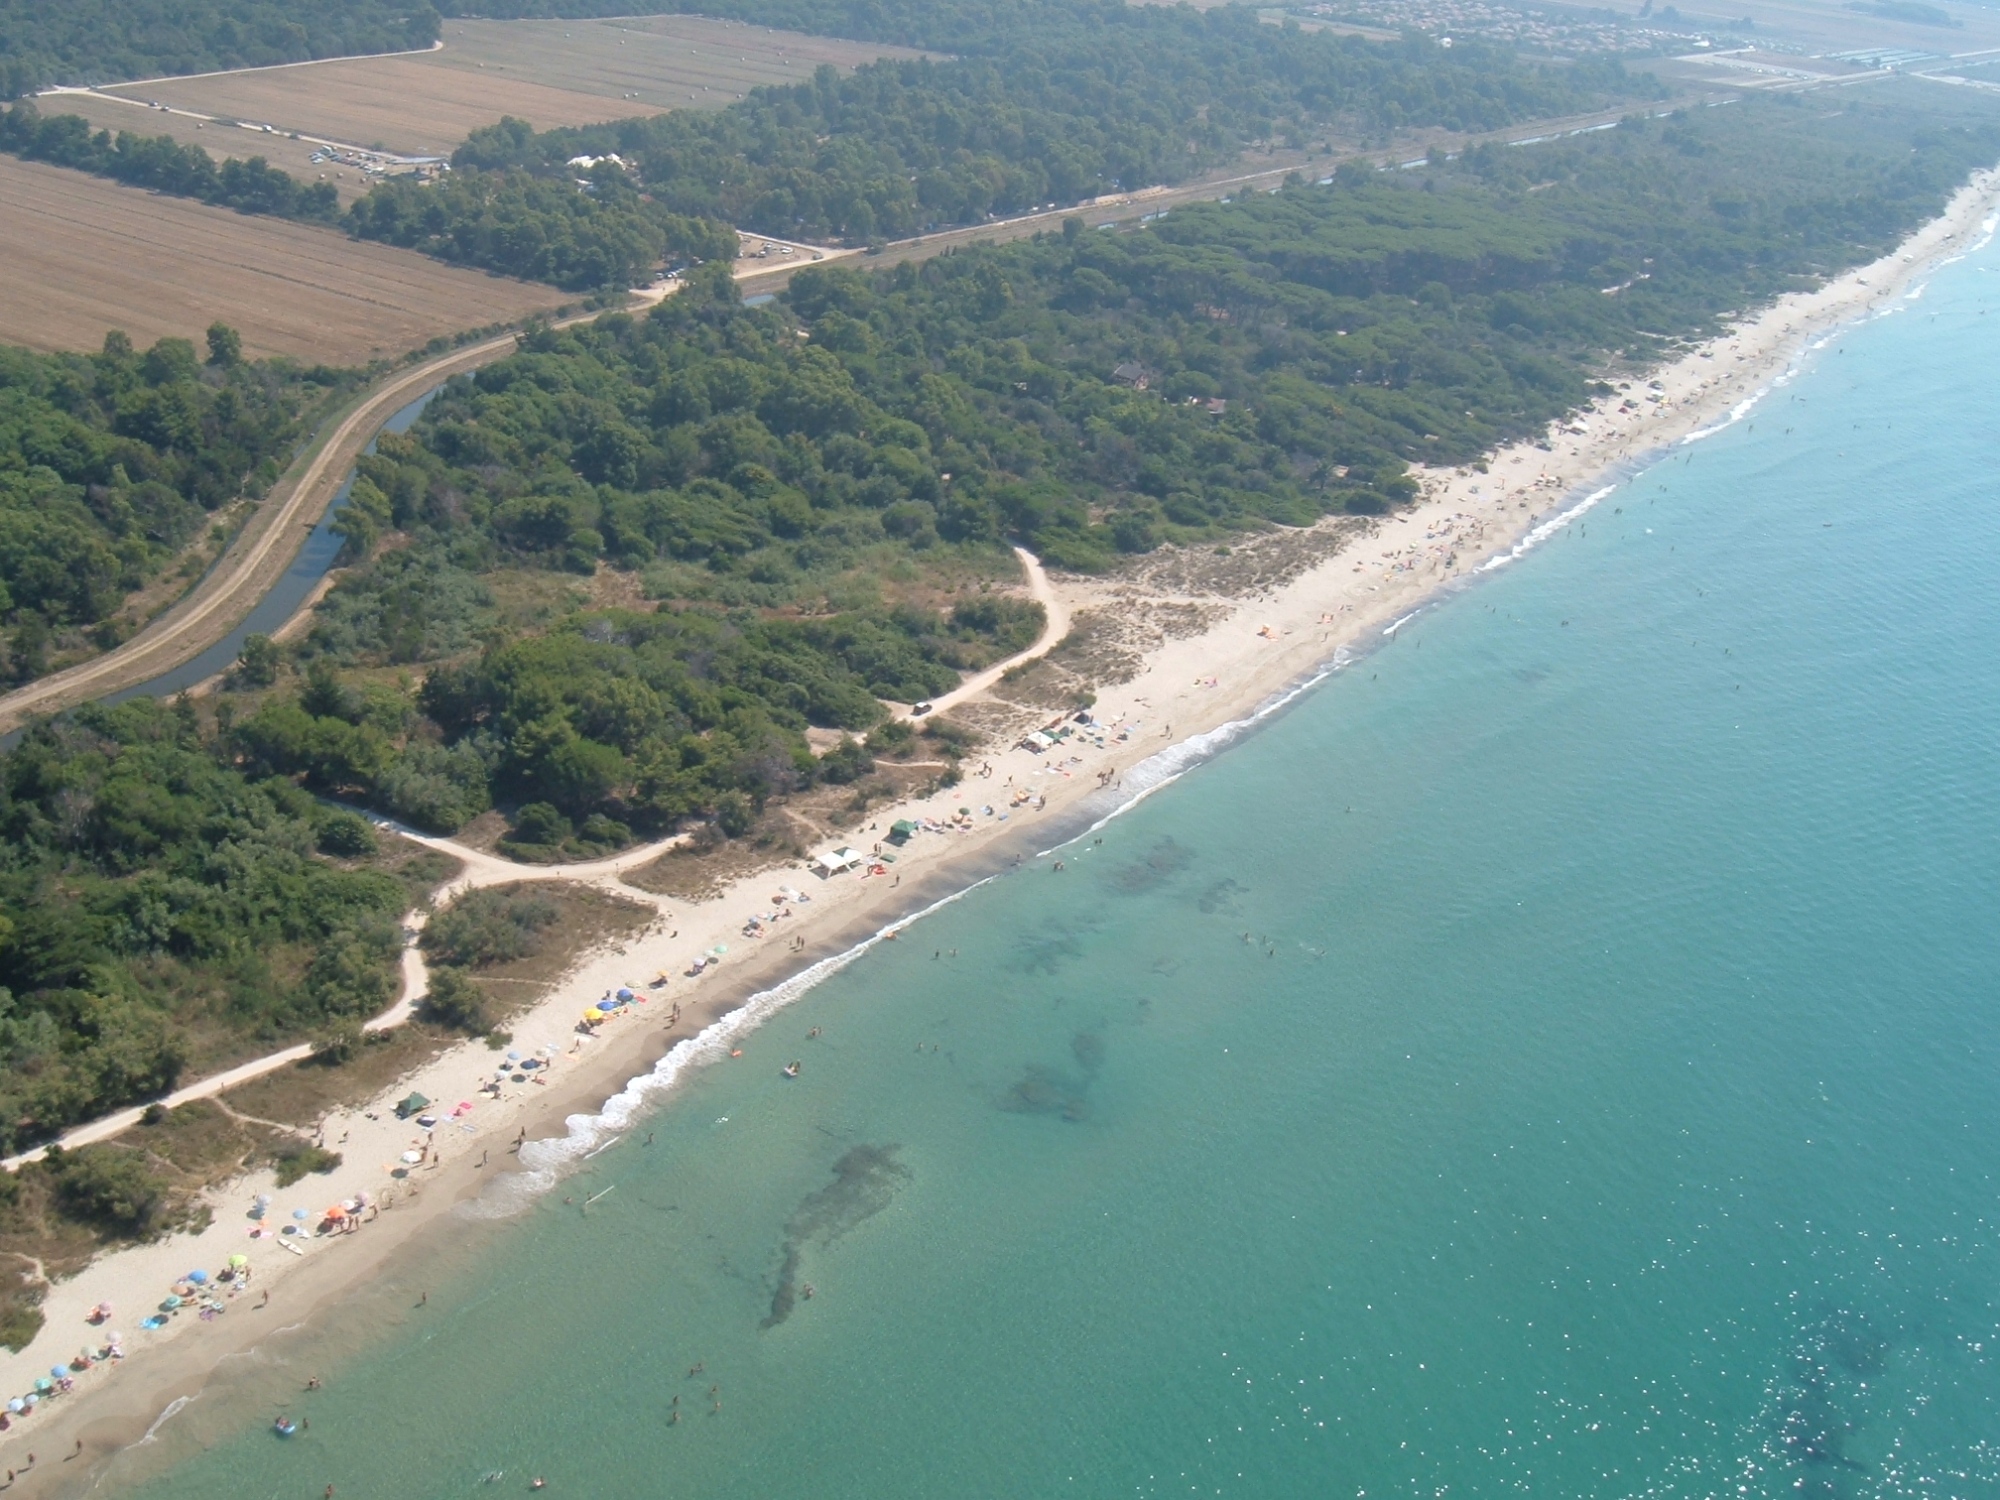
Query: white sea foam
pixel 546 1161
pixel 173 1409
pixel 1737 413
pixel 1539 534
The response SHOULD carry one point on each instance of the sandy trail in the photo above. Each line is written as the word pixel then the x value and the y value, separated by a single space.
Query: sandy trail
pixel 1053 630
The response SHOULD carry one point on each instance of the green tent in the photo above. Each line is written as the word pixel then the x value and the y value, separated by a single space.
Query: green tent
pixel 900 831
pixel 411 1105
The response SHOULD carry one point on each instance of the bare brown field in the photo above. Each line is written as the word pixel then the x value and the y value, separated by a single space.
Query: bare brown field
pixel 106 112
pixel 84 256
pixel 548 72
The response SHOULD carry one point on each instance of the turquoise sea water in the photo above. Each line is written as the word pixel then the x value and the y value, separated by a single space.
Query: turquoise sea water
pixel 1559 1056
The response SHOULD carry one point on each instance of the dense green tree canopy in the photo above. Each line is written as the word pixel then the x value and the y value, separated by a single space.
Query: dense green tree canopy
pixel 110 462
pixel 153 896
pixel 1067 101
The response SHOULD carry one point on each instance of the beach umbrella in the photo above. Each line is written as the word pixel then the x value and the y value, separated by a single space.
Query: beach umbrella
pixel 172 1301
pixel 607 1006
pixel 16 1405
pixel 299 1214
pixel 239 1261
pixel 199 1278
pixel 58 1371
pixel 624 994
pixel 512 1056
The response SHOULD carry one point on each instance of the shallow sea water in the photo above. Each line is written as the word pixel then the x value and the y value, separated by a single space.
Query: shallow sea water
pixel 1557 1056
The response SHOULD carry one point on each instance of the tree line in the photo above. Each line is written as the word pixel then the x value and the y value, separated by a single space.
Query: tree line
pixel 103 41
pixel 161 163
pixel 1077 99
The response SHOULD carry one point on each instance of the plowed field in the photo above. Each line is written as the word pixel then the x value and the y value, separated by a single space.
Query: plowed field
pixel 83 255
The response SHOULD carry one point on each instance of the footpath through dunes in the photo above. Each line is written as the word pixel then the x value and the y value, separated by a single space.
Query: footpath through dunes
pixel 85 255
pixel 480 870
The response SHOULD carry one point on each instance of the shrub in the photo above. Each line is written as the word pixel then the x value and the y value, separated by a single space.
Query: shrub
pixel 457 1003
pixel 846 762
pixel 346 835
pixel 20 1316
pixel 489 927
pixel 539 823
pixel 296 1158
pixel 257 665
pixel 112 1188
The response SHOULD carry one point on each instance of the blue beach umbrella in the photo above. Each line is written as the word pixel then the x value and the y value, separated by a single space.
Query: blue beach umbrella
pixel 299 1214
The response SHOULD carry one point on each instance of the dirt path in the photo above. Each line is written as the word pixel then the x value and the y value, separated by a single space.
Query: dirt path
pixel 481 869
pixel 1052 632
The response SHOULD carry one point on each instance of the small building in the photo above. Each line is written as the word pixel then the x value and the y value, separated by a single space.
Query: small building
pixel 1137 376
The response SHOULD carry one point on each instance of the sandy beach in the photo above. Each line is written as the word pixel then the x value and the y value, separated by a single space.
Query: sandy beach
pixel 1179 646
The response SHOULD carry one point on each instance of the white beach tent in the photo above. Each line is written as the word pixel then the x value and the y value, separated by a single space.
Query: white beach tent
pixel 839 860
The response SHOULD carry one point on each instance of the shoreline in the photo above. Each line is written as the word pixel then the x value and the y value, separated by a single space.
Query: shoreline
pixel 1254 654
